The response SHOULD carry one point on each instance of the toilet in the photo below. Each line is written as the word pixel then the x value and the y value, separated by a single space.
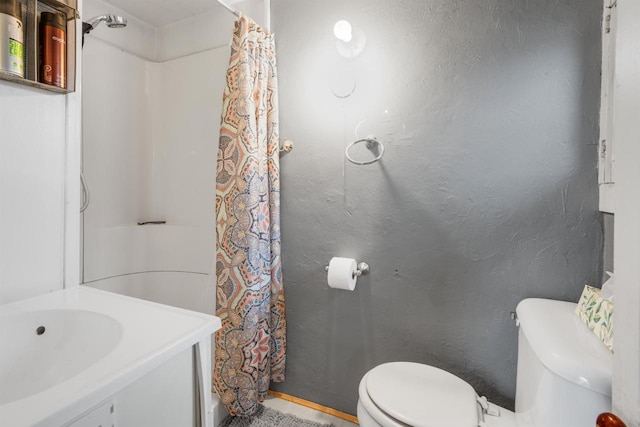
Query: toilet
pixel 563 380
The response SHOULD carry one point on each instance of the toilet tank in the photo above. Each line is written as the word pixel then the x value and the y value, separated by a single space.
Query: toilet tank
pixel 564 371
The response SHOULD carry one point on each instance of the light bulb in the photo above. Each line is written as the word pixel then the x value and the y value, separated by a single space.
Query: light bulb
pixel 342 31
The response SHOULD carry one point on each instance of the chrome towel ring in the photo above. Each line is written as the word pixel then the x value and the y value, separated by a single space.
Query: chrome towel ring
pixel 371 142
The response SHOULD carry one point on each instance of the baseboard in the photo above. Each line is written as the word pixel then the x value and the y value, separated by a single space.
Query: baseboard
pixel 317 407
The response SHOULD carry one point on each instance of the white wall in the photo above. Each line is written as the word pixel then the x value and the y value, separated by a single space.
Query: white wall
pixel 196 34
pixel 137 37
pixel 626 369
pixel 32 177
pixel 203 32
pixel 39 190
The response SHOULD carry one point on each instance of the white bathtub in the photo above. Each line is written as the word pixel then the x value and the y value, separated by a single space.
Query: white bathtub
pixel 67 352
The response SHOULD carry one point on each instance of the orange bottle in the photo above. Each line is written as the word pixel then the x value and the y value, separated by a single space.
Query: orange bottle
pixel 53 49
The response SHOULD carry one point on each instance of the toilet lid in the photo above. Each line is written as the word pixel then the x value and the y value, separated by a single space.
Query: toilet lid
pixel 422 395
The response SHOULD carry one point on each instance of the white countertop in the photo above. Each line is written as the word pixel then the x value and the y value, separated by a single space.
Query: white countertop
pixel 151 334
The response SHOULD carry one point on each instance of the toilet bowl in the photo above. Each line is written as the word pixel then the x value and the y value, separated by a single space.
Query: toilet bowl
pixel 564 379
pixel 396 395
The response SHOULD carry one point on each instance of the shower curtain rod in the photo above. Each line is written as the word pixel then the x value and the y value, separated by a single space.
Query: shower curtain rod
pixel 229 8
pixel 267 12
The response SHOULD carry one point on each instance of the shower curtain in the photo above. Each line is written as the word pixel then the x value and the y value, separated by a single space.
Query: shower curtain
pixel 250 347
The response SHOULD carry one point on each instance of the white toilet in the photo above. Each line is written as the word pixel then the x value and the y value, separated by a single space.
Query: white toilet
pixel 564 380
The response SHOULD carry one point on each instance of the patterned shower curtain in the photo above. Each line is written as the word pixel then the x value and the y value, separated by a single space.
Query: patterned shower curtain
pixel 250 347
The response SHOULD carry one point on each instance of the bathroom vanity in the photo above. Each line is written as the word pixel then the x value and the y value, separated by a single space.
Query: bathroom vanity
pixel 84 357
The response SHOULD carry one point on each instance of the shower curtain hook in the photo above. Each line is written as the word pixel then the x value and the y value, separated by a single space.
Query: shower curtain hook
pixel 287 146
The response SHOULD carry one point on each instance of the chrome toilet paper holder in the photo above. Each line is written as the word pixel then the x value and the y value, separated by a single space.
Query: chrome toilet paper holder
pixel 361 270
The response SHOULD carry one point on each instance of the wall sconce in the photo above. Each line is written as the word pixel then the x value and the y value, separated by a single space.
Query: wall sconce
pixel 351 41
pixel 342 30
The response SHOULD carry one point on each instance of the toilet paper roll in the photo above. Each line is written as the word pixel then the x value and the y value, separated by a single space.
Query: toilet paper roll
pixel 341 274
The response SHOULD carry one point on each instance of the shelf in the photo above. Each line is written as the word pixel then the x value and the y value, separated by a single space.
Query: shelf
pixel 31 10
pixel 26 82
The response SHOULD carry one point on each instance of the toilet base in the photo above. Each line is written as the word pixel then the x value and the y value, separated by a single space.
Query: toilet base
pixel 364 419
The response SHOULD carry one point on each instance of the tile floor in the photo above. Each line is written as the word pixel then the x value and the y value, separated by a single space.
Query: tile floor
pixel 304 412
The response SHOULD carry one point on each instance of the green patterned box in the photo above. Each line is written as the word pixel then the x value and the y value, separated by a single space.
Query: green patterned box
pixel 597 313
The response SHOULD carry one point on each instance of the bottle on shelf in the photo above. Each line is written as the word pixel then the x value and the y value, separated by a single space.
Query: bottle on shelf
pixel 53 49
pixel 11 37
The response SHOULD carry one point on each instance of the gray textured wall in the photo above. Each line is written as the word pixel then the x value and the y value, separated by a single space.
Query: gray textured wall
pixel 487 193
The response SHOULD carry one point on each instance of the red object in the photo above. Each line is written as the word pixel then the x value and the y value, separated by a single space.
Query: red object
pixel 53 50
pixel 607 419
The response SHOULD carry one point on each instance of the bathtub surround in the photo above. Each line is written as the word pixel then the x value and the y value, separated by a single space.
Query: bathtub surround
pixel 487 192
pixel 151 157
pixel 251 345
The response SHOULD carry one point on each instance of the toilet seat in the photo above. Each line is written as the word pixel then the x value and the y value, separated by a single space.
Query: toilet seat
pixel 405 393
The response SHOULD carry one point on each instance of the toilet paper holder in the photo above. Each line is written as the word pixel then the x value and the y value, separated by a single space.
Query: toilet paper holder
pixel 361 270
